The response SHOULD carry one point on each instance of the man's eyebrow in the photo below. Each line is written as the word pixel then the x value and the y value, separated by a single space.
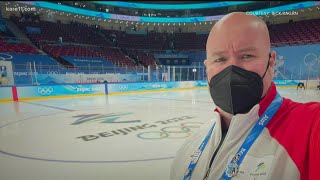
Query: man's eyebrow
pixel 217 53
pixel 221 53
pixel 247 49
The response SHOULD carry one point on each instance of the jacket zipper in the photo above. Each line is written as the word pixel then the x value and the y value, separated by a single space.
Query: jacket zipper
pixel 219 152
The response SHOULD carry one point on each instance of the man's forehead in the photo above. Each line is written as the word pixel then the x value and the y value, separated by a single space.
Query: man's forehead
pixel 221 51
pixel 237 42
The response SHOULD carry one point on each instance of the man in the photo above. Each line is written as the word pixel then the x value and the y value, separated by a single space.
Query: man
pixel 301 85
pixel 255 133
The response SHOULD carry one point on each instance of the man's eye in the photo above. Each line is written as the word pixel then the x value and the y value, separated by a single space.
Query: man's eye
pixel 219 60
pixel 246 56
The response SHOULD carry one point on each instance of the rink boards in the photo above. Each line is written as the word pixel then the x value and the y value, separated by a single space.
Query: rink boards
pixel 34 92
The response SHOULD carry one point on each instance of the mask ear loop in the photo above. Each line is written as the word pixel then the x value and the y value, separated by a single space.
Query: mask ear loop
pixel 267 66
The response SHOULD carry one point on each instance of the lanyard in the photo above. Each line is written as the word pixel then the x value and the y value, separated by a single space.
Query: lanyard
pixel 197 154
pixel 233 166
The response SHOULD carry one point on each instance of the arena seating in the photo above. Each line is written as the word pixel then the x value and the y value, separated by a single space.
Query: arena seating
pixel 75 34
pixel 151 41
pixel 115 56
pixel 294 33
pixel 189 41
pixel 146 58
pixel 17 48
pixel 68 50
pixel 70 33
pixel 8 43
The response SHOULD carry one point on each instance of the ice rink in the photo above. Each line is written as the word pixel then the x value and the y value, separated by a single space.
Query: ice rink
pixel 119 137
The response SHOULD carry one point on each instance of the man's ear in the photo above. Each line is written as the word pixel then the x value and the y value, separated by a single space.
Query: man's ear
pixel 205 62
pixel 205 65
pixel 272 63
pixel 273 57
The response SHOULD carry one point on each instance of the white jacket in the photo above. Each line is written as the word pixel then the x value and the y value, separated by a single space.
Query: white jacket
pixel 276 154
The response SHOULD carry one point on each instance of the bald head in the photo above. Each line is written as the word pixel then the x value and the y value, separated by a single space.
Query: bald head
pixel 239 25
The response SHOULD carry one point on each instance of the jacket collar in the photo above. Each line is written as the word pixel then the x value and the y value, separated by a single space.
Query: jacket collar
pixel 268 98
pixel 241 123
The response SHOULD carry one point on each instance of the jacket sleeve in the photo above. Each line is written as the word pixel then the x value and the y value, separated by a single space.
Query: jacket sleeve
pixel 314 149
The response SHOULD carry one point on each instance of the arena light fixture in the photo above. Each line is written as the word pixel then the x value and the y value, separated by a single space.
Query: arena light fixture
pixel 170 6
